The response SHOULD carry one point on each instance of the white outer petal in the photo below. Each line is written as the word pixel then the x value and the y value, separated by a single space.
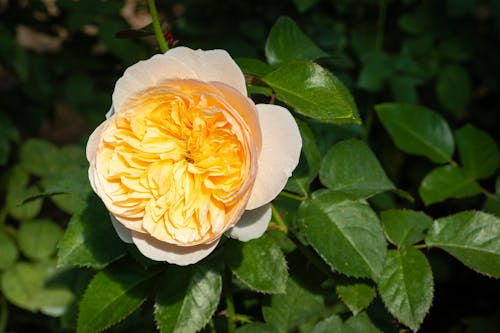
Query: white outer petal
pixel 252 224
pixel 281 145
pixel 179 255
pixel 123 232
pixel 147 73
pixel 212 65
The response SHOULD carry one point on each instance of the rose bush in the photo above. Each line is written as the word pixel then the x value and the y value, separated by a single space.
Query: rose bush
pixel 185 156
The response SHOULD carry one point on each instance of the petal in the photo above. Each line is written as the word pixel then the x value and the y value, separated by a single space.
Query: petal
pixel 179 255
pixel 281 145
pixel 148 73
pixel 213 65
pixel 110 112
pixel 252 224
pixel 93 142
pixel 124 233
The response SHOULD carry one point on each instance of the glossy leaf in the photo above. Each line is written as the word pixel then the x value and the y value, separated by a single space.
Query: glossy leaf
pixel 38 238
pixel 351 167
pixel 258 263
pixel 417 130
pixel 360 323
pixel 113 294
pixel 472 237
pixel 288 310
pixel 405 227
pixel 346 234
pixel 447 182
pixel 286 42
pixel 479 153
pixel 187 298
pixel 406 286
pixel 356 295
pixel 453 88
pixel 313 91
pixel 90 239
pixel 8 251
pixel 253 66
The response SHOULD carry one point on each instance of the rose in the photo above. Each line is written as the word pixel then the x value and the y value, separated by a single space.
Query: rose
pixel 185 156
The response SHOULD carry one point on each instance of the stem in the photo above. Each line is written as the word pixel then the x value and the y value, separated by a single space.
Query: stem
pixel 292 196
pixel 420 246
pixel 277 217
pixel 231 325
pixel 162 43
pixel 382 6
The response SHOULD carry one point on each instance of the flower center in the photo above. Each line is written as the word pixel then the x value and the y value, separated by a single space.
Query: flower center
pixel 180 160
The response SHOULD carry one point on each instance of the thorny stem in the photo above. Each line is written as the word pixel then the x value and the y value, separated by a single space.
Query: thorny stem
pixel 162 43
pixel 231 325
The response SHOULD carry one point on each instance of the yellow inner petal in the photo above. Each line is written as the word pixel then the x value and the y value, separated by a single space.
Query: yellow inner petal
pixel 179 160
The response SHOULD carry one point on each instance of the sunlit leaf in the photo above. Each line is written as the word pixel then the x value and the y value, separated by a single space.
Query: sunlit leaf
pixel 406 286
pixel 346 234
pixel 38 238
pixel 472 237
pixel 286 42
pixel 447 182
pixel 417 130
pixel 313 91
pixel 357 295
pixel 351 167
pixel 113 294
pixel 258 263
pixel 8 251
pixel 187 298
pixel 405 227
pixel 90 239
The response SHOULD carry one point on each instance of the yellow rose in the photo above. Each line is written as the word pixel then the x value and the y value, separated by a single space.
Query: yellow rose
pixel 185 156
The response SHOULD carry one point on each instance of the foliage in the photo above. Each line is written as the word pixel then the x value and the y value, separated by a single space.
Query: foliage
pixel 390 222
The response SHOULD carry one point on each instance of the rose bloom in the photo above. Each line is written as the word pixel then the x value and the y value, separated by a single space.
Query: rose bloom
pixel 185 156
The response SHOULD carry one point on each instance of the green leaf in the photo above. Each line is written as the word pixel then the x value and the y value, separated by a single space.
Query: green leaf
pixel 38 239
pixel 309 164
pixel 8 251
pixel 304 5
pixel 346 234
pixel 39 157
pixel 356 295
pixel 21 284
pixel 112 295
pixel 187 298
pixel 351 167
pixel 417 130
pixel 313 91
pixel 30 286
pixel 286 42
pixel 360 323
pixel 479 153
pixel 453 88
pixel 255 328
pixel 471 237
pixel 447 182
pixel 258 263
pixel 404 88
pixel 18 208
pixel 377 68
pixel 328 325
pixel 90 239
pixel 405 227
pixel 406 286
pixel 253 66
pixel 296 306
